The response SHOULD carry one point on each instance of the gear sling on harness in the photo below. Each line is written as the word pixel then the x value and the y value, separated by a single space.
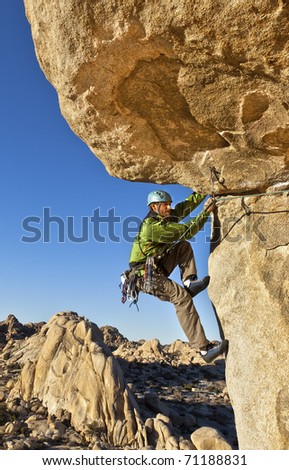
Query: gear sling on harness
pixel 129 290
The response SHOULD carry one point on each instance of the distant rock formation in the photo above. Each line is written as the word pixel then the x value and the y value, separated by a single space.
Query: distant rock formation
pixel 196 93
pixel 63 388
pixel 112 337
pixel 11 329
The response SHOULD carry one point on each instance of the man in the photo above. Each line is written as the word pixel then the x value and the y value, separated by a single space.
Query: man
pixel 160 246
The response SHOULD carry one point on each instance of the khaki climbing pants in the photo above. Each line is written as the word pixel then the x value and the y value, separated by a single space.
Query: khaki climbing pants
pixel 168 290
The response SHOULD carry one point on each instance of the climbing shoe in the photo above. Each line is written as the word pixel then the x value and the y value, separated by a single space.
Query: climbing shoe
pixel 213 350
pixel 196 286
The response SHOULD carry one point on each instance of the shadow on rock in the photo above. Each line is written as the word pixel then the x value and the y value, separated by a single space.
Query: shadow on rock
pixel 190 396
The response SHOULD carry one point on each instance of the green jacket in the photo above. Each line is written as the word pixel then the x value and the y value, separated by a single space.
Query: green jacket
pixel 157 234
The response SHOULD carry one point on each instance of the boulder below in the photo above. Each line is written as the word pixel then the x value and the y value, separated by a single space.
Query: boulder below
pixel 69 368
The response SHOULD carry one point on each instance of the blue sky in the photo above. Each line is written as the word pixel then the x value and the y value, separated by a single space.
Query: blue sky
pixel 45 167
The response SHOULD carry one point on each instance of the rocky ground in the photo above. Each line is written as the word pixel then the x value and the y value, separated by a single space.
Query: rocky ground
pixel 170 383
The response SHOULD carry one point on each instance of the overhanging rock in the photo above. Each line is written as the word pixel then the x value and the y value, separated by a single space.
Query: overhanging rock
pixel 161 91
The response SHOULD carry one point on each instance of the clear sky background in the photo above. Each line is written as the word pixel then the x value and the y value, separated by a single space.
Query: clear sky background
pixel 45 165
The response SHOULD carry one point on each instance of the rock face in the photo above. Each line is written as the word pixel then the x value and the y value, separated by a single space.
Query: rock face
pixel 161 91
pixel 165 92
pixel 253 307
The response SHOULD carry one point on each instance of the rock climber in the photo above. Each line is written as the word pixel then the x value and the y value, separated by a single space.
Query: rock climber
pixel 159 247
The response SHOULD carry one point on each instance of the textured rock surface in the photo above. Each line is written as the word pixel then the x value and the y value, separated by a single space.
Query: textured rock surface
pixel 69 368
pixel 208 438
pixel 11 329
pixel 253 308
pixel 174 399
pixel 161 91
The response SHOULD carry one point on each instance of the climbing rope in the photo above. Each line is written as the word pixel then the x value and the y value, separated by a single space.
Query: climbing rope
pixel 244 214
pixel 217 177
pixel 240 196
pixel 216 198
pixel 247 210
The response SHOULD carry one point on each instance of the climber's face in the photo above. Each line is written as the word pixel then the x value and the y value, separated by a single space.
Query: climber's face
pixel 162 208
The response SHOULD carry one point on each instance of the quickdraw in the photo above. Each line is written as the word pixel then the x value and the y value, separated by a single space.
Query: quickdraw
pixel 216 177
pixel 245 207
pixel 149 275
pixel 129 290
